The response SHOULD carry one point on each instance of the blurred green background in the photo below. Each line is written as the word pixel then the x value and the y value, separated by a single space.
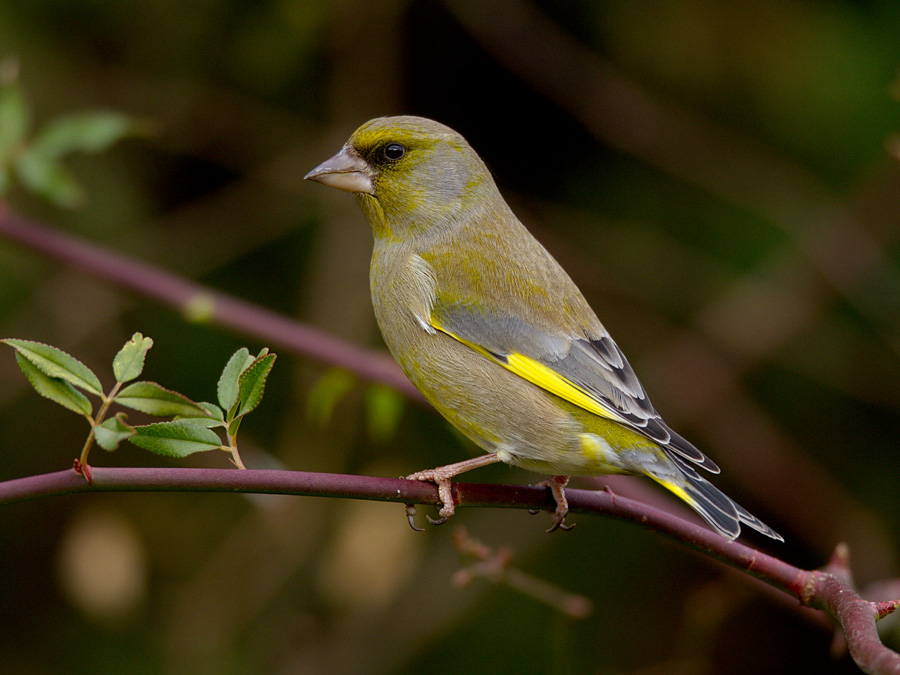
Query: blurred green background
pixel 721 180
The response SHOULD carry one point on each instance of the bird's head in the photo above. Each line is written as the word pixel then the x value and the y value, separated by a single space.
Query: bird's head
pixel 410 174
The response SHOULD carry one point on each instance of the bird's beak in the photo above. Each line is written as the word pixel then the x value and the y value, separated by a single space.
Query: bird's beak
pixel 345 171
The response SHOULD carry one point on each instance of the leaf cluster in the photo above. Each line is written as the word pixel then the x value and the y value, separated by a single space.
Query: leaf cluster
pixel 62 378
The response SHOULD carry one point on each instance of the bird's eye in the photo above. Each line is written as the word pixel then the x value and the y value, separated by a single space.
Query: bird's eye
pixel 394 151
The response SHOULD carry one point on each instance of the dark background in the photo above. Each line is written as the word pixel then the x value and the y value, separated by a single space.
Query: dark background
pixel 721 180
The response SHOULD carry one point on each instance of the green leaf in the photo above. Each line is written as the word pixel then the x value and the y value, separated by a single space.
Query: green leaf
pixel 252 383
pixel 15 121
pixel 55 389
pixel 213 411
pixel 207 422
pixel 112 432
pixel 90 131
pixel 327 393
pixel 57 364
pixel 153 399
pixel 384 408
pixel 47 178
pixel 229 389
pixel 129 362
pixel 175 439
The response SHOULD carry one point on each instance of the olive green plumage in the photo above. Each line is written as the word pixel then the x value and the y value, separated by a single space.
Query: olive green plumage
pixel 493 331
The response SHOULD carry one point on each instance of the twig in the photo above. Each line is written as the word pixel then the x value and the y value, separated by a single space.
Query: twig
pixel 495 565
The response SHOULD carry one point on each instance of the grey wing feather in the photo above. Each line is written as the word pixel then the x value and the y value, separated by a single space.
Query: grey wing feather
pixel 597 366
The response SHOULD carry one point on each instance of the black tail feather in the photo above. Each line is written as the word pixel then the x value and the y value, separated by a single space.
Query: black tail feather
pixel 719 510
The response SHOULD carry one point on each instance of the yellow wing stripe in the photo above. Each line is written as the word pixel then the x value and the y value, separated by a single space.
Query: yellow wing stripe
pixel 548 379
pixel 543 376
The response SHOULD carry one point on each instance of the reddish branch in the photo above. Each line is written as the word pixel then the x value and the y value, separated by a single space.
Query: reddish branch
pixel 827 589
pixel 194 299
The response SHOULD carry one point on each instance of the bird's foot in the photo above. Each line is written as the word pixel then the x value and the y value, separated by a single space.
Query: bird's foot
pixel 441 477
pixel 558 517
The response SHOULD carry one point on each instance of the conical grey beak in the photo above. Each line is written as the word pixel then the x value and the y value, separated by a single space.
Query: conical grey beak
pixel 345 171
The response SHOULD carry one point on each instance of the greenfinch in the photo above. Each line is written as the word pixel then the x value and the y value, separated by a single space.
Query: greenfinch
pixel 494 333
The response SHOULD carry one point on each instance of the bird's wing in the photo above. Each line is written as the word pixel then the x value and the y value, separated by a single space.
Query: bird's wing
pixel 592 374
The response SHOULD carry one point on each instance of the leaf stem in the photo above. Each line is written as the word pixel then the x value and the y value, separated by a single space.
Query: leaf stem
pixel 104 408
pixel 233 449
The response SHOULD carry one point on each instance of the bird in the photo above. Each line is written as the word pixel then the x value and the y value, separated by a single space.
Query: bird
pixel 496 335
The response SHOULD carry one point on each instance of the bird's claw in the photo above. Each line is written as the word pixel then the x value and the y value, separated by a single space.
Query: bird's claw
pixel 558 522
pixel 441 478
pixel 558 519
pixel 445 493
pixel 411 518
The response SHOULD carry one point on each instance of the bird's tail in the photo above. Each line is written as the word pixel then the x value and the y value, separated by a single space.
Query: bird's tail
pixel 715 506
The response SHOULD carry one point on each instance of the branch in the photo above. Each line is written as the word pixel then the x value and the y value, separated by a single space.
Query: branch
pixel 204 304
pixel 825 589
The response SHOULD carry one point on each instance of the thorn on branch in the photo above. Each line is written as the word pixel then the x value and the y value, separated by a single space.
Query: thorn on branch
pixel 839 563
pixel 84 470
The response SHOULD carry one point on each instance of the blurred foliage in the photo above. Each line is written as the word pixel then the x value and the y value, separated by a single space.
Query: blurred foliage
pixel 37 162
pixel 719 178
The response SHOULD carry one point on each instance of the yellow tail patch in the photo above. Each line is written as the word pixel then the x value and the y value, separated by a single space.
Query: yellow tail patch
pixel 677 490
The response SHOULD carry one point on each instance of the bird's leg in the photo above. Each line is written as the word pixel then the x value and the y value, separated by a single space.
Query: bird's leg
pixel 441 477
pixel 558 519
